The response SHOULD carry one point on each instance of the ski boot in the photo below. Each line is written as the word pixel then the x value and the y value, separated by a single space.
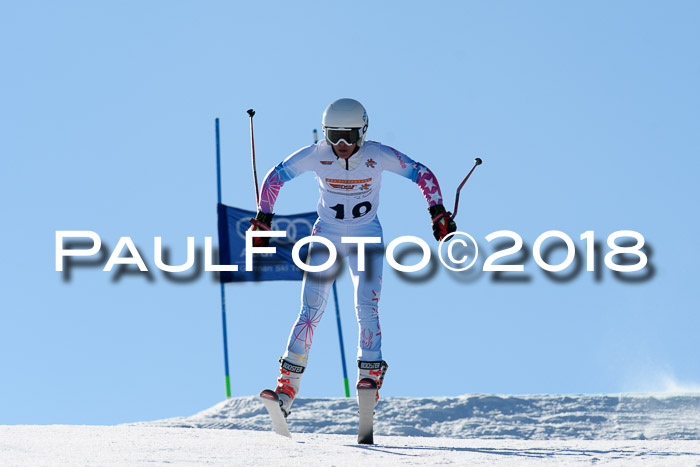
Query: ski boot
pixel 288 385
pixel 372 371
pixel 370 376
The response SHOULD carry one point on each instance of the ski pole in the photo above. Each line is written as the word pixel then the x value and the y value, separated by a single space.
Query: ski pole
pixel 251 112
pixel 477 161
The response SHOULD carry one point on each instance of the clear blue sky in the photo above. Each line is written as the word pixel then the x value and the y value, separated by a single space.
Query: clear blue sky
pixel 586 116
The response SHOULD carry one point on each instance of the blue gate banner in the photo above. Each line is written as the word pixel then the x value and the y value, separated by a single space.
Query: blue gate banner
pixel 233 224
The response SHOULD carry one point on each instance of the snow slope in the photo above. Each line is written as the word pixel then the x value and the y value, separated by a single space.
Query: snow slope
pixel 139 445
pixel 601 417
pixel 637 430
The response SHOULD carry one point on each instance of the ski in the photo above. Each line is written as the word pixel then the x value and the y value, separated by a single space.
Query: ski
pixel 272 404
pixel 367 398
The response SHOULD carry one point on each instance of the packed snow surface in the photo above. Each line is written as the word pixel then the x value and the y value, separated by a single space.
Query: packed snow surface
pixel 637 430
pixel 140 445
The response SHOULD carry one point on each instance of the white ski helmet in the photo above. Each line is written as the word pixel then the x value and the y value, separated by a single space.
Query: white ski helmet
pixel 345 120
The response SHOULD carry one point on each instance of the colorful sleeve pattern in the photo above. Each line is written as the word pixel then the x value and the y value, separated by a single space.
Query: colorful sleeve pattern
pixel 403 165
pixel 428 184
pixel 270 189
pixel 294 165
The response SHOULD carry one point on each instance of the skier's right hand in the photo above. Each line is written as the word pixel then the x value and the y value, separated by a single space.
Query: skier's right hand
pixel 262 221
pixel 443 224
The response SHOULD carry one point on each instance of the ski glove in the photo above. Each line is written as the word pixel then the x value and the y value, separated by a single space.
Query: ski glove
pixel 262 221
pixel 442 221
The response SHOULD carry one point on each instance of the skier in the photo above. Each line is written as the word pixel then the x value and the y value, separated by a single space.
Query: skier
pixel 348 170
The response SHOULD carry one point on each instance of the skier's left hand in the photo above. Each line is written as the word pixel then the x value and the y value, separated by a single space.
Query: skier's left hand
pixel 443 224
pixel 262 221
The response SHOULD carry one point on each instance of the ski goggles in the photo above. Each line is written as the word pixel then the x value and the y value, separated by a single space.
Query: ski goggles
pixel 349 136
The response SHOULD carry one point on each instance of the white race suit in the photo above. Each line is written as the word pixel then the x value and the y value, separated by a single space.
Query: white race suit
pixel 347 207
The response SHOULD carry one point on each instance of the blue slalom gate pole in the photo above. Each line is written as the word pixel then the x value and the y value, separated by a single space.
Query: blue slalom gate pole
pixel 340 339
pixel 337 316
pixel 221 284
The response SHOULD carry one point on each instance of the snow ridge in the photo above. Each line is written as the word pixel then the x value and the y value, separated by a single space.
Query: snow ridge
pixel 539 417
